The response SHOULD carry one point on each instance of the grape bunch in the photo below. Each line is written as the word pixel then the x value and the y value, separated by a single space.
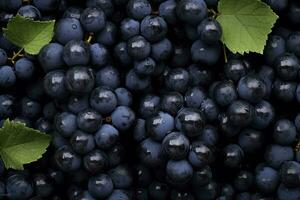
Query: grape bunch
pixel 143 101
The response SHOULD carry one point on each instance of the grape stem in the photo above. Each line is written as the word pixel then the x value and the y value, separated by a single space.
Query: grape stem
pixel 213 12
pixel 26 1
pixel 89 38
pixel 297 147
pixel 15 55
pixel 225 53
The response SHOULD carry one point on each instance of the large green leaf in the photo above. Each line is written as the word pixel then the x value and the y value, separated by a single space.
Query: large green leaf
pixel 245 24
pixel 20 145
pixel 29 34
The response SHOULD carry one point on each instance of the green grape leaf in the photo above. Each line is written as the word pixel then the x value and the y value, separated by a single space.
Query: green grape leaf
pixel 29 34
pixel 20 145
pixel 245 24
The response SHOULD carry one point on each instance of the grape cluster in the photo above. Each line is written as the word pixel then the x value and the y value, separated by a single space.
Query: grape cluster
pixel 141 103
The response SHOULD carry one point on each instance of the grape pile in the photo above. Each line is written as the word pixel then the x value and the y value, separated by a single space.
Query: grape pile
pixel 142 104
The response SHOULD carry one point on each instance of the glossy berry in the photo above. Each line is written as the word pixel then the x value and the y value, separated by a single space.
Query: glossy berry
pixel 176 145
pixel 160 125
pixel 92 19
pixel 66 159
pixel 209 30
pixel 89 120
pixel 100 186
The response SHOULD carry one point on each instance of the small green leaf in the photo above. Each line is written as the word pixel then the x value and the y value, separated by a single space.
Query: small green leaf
pixel 20 145
pixel 29 34
pixel 246 24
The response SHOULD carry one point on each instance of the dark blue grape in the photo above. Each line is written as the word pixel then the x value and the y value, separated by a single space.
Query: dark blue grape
pixel 116 155
pixel 227 191
pixel 160 125
pixel 30 11
pixel 119 194
pixel 66 159
pixel 167 10
pixel 284 91
pixel 9 5
pixel 263 115
pixel 210 109
pixel 284 132
pixel 95 161
pixel 85 195
pixel 179 171
pixel 29 108
pixel 199 75
pixel 287 67
pixel 43 125
pixel 277 6
pixel 177 80
pixel 158 190
pixel 136 83
pixel 200 155
pixel 243 181
pixel 108 35
pixel 153 28
pixel 275 46
pixel 194 97
pixel 145 67
pixel 240 113
pixel 65 124
pixel 42 186
pixel 275 155
pixel 149 106
pixel 251 140
pixel 234 69
pixel 99 54
pixel 123 118
pixel 284 193
pixel 68 29
pixel 209 191
pixel 172 102
pixel 293 43
pixel 121 177
pixel 108 76
pixel 58 140
pixel 233 156
pixel 124 97
pixel 121 54
pixel 107 136
pixel 17 187
pixel 92 19
pixel 209 136
pixel 103 100
pixel 50 57
pixel 251 88
pixel 129 28
pixel 176 146
pixel 266 179
pixel 209 30
pixel 106 5
pixel 54 84
pixel 100 186
pixel 181 56
pixel 72 12
pixel 293 13
pixel 7 103
pixel 76 52
pixel 138 47
pixel 150 153
pixel 138 9
pixel 82 143
pixel 289 174
pixel 225 93
pixel 77 104
pixel 227 127
pixel 89 120
pixel 24 69
pixel 46 5
pixel 191 11
pixel 205 54
pixel 7 76
pixel 190 121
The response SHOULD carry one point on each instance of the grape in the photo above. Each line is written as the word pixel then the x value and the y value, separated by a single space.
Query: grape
pixel 106 5
pixel 161 50
pixel 121 177
pixel 153 28
pixel 24 69
pixel 108 35
pixel 210 31
pixel 92 19
pixel 176 145
pixel 103 100
pixel 17 187
pixel 124 97
pixel 72 12
pixel 138 9
pixel 7 76
pixel 107 136
pixel 50 57
pixel 66 159
pixel 99 54
pixel 82 143
pixel 179 171
pixel 54 84
pixel 100 186
pixel 138 47
pixel 47 5
pixel 129 28
pixel 167 10
pixel 43 187
pixel 76 52
pixel 108 76
pixel 30 11
pixel 191 11
pixel 123 117
pixel 95 161
pixel 7 103
pixel 68 29
pixel 89 120
pixel 65 124
pixel 205 54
